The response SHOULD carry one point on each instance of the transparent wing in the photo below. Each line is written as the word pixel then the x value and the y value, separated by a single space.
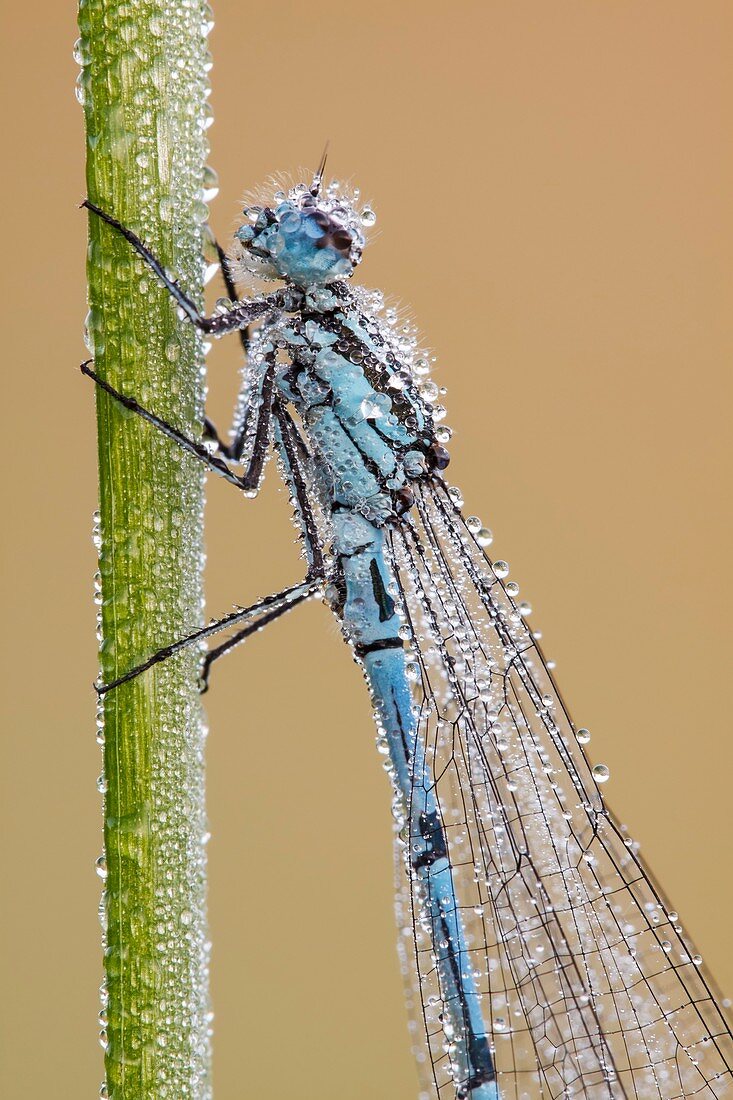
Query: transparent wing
pixel 588 987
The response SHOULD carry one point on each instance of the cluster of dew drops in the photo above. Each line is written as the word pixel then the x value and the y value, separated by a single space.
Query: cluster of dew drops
pixel 100 865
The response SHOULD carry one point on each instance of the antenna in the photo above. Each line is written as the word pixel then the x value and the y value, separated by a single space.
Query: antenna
pixel 318 177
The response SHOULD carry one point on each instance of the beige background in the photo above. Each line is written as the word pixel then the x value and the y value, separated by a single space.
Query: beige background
pixel 553 188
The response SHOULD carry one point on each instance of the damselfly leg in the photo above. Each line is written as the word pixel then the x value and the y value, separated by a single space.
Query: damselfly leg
pixel 272 607
pixel 191 446
pixel 281 604
pixel 216 325
pixel 238 432
pixel 261 613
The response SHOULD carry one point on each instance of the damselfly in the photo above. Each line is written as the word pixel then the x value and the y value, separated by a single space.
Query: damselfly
pixel 543 959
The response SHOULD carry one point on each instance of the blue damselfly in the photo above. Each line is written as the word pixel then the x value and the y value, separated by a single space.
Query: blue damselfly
pixel 543 959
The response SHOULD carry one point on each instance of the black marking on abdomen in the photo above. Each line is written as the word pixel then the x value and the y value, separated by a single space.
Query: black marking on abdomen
pixel 479 1054
pixel 477 1046
pixel 380 643
pixel 431 830
pixel 403 735
pixel 385 603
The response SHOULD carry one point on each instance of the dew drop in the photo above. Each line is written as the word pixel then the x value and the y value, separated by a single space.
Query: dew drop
pixel 172 350
pixel 165 209
pixel 371 409
pixel 211 184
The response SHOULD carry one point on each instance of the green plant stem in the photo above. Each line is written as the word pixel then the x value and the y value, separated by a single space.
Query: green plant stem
pixel 143 84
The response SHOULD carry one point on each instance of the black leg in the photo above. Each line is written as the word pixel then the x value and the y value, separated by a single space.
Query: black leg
pixel 220 323
pixel 238 432
pixel 270 607
pixel 294 453
pixel 211 433
pixel 237 435
pixel 233 451
pixel 250 480
pixel 253 475
pixel 226 274
pixel 198 450
pixel 251 628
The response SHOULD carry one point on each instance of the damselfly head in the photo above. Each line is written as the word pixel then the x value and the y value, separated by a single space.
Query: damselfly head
pixel 308 236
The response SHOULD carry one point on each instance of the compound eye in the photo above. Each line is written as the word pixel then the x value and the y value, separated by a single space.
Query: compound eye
pixel 341 240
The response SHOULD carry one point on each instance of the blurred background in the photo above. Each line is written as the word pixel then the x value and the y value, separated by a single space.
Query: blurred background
pixel 552 184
